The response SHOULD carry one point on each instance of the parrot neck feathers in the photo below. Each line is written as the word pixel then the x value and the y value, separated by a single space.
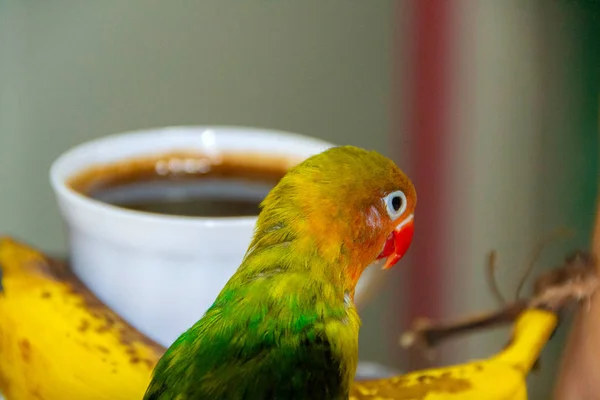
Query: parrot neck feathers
pixel 280 249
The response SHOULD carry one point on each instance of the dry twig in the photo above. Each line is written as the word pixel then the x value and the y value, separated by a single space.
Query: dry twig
pixel 574 280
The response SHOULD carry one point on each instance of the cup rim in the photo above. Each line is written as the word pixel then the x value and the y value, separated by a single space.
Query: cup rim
pixel 60 188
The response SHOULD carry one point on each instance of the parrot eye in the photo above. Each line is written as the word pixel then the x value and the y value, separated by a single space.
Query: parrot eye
pixel 395 203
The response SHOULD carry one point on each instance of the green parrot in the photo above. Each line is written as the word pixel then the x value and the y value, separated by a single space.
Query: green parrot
pixel 285 325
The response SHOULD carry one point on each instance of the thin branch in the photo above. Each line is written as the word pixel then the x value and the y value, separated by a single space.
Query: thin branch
pixel 575 280
pixel 491 278
pixel 427 335
pixel 541 244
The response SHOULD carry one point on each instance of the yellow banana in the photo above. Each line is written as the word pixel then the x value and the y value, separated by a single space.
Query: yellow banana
pixel 497 378
pixel 58 341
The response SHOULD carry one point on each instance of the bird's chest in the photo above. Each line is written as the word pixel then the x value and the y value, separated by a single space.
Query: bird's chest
pixel 343 338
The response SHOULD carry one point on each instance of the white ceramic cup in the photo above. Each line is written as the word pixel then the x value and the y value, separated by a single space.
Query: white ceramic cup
pixel 162 272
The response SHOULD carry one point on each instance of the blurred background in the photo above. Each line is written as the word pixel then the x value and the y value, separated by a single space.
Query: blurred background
pixel 490 106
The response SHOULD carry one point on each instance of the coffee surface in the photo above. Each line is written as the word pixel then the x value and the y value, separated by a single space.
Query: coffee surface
pixel 185 184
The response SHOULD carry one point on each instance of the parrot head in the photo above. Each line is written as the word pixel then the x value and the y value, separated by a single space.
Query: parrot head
pixel 353 206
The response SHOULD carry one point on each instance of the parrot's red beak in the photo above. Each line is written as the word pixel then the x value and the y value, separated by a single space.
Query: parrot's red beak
pixel 398 242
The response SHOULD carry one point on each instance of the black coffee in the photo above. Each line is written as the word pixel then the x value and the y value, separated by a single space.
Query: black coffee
pixel 186 184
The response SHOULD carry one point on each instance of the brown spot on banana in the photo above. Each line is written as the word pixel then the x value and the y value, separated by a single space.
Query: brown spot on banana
pixel 36 394
pixel 25 348
pixel 4 383
pixel 103 349
pixel 85 325
pixel 417 388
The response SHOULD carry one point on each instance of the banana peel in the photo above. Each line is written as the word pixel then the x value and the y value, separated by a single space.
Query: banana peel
pixel 58 341
pixel 502 376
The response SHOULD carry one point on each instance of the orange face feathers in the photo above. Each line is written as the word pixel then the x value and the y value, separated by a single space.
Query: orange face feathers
pixel 350 206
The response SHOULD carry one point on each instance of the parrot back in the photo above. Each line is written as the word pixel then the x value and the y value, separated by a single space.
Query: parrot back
pixel 274 350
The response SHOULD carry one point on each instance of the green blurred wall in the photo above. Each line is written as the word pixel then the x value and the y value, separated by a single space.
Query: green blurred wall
pixel 570 148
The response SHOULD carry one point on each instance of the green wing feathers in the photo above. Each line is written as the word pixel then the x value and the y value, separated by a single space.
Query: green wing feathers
pixel 255 344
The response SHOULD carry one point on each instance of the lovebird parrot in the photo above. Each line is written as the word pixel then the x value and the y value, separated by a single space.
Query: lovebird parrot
pixel 285 325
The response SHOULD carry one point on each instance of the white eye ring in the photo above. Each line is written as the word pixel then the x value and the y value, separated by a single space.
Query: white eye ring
pixel 395 204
